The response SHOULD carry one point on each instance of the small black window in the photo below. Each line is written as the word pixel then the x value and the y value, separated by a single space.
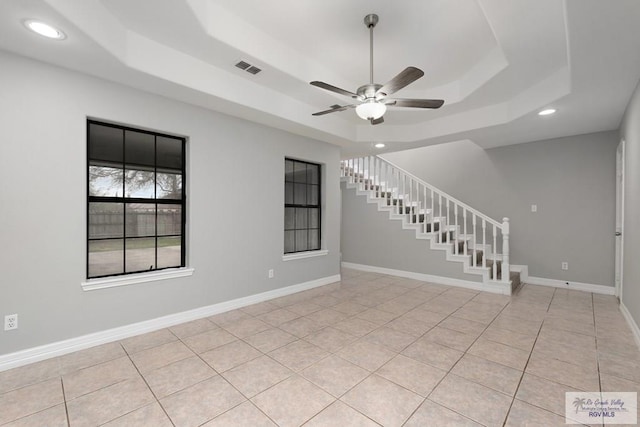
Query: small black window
pixel 302 231
pixel 135 200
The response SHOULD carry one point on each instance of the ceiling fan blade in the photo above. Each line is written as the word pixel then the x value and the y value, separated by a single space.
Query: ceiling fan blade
pixel 416 103
pixel 406 77
pixel 327 86
pixel 333 109
pixel 377 121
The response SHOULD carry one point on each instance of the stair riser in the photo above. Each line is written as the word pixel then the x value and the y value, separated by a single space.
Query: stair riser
pixel 413 219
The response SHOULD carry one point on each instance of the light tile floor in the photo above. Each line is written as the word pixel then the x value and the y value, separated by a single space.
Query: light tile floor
pixel 371 350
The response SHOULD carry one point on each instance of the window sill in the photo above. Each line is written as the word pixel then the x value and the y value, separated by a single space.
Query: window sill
pixel 132 279
pixel 301 255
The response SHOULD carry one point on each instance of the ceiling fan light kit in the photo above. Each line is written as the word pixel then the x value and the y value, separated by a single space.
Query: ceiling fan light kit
pixel 371 110
pixel 374 97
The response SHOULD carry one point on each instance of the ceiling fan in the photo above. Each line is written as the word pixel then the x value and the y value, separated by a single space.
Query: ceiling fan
pixel 373 97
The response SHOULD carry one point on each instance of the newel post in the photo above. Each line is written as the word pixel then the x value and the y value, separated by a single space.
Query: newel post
pixel 505 250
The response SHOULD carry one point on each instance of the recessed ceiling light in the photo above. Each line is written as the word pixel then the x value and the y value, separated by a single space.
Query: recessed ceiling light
pixel 44 30
pixel 379 145
pixel 547 112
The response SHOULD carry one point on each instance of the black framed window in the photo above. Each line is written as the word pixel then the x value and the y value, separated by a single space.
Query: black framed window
pixel 302 207
pixel 136 200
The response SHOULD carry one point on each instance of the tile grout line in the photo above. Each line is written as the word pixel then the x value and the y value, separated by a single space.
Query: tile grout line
pixel 358 338
pixel 595 327
pixel 294 373
pixel 247 399
pixel 524 369
pixel 400 353
pixel 147 384
pixel 553 299
pixel 451 315
pixel 463 353
pixel 64 399
pixel 371 373
pixel 104 387
pixel 355 316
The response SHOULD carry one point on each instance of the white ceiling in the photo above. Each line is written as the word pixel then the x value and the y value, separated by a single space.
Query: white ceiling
pixel 494 62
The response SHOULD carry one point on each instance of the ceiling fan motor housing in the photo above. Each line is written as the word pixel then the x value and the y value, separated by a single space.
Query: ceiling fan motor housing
pixel 369 92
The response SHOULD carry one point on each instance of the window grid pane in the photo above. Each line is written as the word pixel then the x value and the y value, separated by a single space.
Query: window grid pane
pixel 106 220
pixel 302 230
pixel 169 251
pixel 141 220
pixel 140 254
pixel 135 200
pixel 106 257
pixel 105 180
pixel 139 183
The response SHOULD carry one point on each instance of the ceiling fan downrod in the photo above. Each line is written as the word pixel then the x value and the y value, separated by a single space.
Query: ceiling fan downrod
pixel 370 21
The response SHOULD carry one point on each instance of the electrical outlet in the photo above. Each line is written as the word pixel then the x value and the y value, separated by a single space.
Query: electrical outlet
pixel 565 265
pixel 271 274
pixel 534 208
pixel 10 322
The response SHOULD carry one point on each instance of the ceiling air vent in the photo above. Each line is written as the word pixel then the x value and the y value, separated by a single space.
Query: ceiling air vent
pixel 244 65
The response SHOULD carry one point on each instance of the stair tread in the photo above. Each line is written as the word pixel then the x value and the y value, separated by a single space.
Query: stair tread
pixel 416 214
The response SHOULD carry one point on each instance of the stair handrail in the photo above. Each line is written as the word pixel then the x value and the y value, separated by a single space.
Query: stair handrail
pixel 503 227
pixel 445 194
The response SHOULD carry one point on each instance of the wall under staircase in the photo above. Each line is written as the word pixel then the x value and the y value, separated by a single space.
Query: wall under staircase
pixel 383 229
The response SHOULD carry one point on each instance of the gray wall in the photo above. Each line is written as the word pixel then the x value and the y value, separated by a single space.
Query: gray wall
pixel 235 205
pixel 370 238
pixel 630 132
pixel 571 180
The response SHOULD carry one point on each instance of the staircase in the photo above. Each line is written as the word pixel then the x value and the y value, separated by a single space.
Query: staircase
pixel 478 242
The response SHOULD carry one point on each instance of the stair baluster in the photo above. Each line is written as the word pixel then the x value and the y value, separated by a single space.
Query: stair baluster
pixel 356 171
pixel 447 237
pixel 418 204
pixel 484 243
pixel 383 177
pixel 396 198
pixel 376 175
pixel 455 214
pixel 433 213
pixel 411 201
pixel 424 229
pixel 466 238
pixel 416 200
pixel 475 243
pixel 495 259
pixel 404 191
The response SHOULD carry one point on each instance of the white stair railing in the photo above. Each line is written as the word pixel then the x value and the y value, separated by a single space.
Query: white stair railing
pixel 435 211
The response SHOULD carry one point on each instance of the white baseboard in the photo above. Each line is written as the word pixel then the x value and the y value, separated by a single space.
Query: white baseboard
pixel 632 323
pixel 504 289
pixel 35 354
pixel 576 286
